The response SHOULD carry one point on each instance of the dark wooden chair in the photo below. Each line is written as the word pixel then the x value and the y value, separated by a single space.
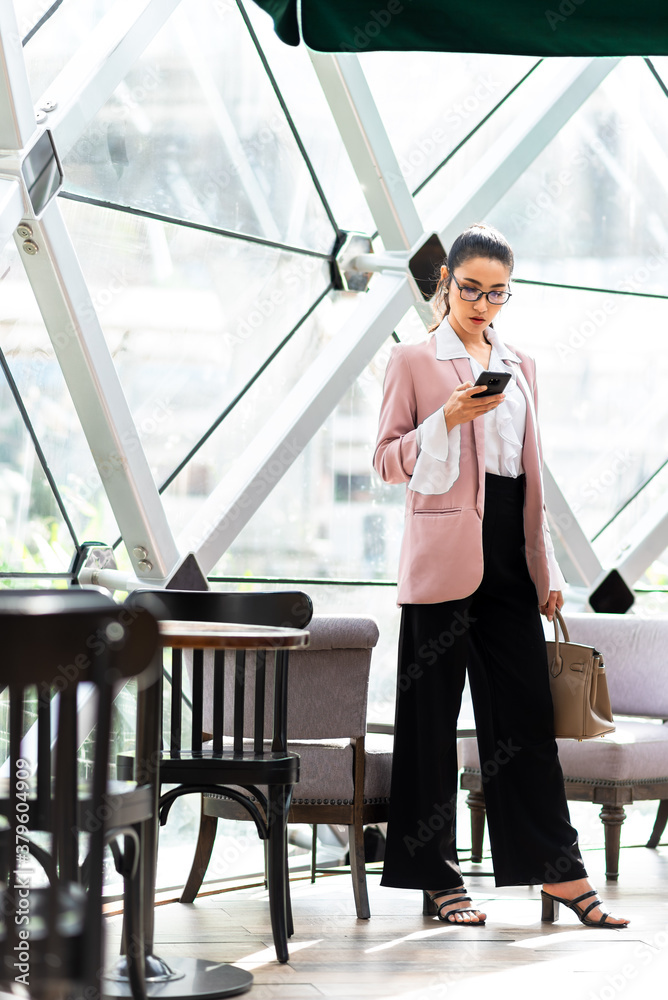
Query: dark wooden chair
pixel 66 643
pixel 344 772
pixel 234 704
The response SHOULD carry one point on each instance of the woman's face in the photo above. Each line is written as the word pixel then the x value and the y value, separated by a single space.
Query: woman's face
pixel 484 275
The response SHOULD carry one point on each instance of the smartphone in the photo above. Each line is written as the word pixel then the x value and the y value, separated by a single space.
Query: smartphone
pixel 496 382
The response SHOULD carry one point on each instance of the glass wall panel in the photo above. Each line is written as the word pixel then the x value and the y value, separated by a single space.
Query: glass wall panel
pixel 32 361
pixel 603 407
pixel 254 410
pixel 196 132
pixel 537 90
pixel 330 516
pixel 331 598
pixel 308 108
pixel 56 41
pixel 32 582
pixel 612 541
pixel 33 534
pixel 430 101
pixel 411 329
pixel 592 209
pixel 189 316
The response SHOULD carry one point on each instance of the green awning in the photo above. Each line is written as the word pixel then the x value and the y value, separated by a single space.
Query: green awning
pixel 518 27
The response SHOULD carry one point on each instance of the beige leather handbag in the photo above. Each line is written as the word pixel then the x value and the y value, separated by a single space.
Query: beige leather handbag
pixel 579 688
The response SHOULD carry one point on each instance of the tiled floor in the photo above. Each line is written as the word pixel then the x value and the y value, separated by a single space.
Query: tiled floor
pixel 400 954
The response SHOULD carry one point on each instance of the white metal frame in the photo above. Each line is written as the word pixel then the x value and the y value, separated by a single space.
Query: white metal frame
pixel 74 98
pixel 54 272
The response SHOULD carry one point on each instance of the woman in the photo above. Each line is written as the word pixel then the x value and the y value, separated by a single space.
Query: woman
pixel 476 567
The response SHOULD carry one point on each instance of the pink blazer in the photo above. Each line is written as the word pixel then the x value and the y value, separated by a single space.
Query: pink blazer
pixel 441 552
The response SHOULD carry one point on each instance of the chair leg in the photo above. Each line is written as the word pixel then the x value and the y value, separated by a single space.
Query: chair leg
pixel 288 902
pixel 276 868
pixel 205 841
pixel 659 824
pixel 612 817
pixel 358 870
pixel 476 803
pixel 133 929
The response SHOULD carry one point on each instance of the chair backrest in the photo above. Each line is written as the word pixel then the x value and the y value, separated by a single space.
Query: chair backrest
pixel 634 650
pixel 238 698
pixel 328 687
pixel 52 642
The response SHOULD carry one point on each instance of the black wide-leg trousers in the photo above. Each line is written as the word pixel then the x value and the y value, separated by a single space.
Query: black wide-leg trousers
pixel 497 634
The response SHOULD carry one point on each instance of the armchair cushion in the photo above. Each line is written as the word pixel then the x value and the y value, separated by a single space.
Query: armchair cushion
pixel 326 770
pixel 636 751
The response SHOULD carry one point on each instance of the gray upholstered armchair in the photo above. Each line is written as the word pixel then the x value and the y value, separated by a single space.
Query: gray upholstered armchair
pixel 344 773
pixel 623 767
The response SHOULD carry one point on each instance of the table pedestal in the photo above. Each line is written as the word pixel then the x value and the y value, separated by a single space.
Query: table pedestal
pixel 181 979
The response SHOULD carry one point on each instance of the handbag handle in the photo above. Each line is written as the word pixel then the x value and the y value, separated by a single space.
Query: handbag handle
pixel 559 621
pixel 557 663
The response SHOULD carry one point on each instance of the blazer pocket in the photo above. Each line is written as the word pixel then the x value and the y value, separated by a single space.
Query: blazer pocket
pixel 438 511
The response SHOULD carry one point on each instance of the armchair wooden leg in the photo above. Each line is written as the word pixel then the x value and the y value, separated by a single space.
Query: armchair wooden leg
pixel 476 803
pixel 612 817
pixel 203 850
pixel 659 824
pixel 358 870
pixel 314 851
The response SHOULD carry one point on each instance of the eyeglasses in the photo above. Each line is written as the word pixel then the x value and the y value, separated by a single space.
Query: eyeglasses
pixel 495 298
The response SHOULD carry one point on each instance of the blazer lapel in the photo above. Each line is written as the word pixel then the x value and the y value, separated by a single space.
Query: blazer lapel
pixel 463 368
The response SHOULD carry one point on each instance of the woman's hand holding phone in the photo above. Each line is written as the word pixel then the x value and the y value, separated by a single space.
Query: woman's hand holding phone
pixel 463 405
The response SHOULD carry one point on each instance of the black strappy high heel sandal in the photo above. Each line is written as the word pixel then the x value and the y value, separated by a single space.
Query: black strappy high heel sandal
pixel 430 908
pixel 551 909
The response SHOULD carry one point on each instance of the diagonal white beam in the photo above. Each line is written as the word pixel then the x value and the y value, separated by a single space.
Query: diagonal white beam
pixel 100 64
pixel 585 568
pixel 562 86
pixel 369 148
pixel 645 542
pixel 69 314
pixel 17 116
pixel 11 208
pixel 269 456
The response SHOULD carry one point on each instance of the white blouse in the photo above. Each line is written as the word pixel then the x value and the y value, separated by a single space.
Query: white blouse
pixel 437 465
